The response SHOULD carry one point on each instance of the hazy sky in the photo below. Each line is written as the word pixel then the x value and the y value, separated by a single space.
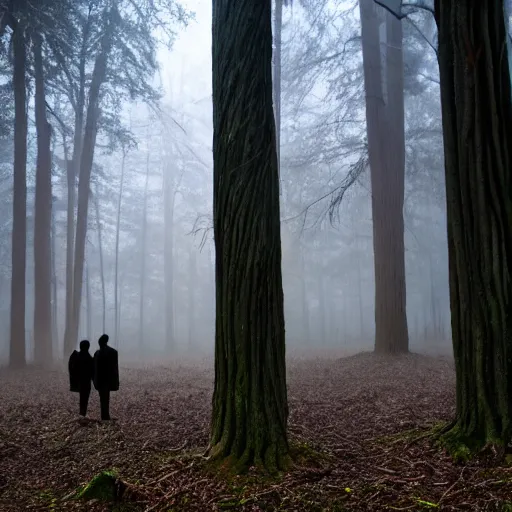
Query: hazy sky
pixel 188 65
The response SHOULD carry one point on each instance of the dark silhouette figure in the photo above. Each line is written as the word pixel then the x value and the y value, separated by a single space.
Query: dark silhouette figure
pixel 106 374
pixel 81 373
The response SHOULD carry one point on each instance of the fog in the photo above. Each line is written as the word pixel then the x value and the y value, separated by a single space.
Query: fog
pixel 159 184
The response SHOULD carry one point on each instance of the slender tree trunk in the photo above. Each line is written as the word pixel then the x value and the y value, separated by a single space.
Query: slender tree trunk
pixel 43 344
pixel 278 28
pixel 100 248
pixel 87 156
pixel 73 169
pixel 86 160
pixel 143 257
pixel 304 296
pixel 88 302
pixel 477 127
pixel 360 292
pixel 250 410
pixel 19 222
pixel 169 202
pixel 118 231
pixel 192 283
pixel 55 297
pixel 383 75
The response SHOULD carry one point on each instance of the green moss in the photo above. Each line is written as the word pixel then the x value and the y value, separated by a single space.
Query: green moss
pixel 105 486
pixel 462 447
pixel 506 506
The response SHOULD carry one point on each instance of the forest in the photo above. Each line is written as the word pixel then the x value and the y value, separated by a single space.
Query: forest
pixel 293 220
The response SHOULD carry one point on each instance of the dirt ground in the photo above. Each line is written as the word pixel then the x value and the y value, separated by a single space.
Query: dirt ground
pixel 360 426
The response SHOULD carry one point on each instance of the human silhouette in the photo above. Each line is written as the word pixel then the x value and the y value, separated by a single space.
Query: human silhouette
pixel 81 373
pixel 106 374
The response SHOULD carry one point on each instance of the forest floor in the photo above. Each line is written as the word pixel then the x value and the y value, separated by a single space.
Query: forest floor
pixel 360 425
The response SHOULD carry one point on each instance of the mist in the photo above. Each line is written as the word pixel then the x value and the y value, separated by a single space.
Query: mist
pixel 254 255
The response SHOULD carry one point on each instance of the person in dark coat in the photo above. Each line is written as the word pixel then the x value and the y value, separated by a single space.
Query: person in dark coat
pixel 81 373
pixel 106 374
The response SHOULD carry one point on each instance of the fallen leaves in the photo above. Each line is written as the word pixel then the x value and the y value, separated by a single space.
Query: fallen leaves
pixel 368 418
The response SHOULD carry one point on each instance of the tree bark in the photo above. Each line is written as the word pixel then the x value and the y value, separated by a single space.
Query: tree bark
pixel 250 410
pixel 42 219
pixel 383 75
pixel 477 129
pixel 19 218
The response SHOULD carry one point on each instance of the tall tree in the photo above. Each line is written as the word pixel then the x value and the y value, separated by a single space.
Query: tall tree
pixel 477 127
pixel 99 76
pixel 381 34
pixel 42 217
pixel 250 410
pixel 19 224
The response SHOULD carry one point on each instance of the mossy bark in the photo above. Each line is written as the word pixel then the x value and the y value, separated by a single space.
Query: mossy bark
pixel 477 125
pixel 249 420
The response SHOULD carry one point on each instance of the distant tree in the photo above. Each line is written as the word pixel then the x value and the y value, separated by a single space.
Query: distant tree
pixel 249 418
pixel 383 76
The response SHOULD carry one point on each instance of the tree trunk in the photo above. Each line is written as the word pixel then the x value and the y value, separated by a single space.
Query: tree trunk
pixel 169 202
pixel 304 296
pixel 42 219
pixel 278 29
pixel 383 75
pixel 477 128
pixel 118 230
pixel 192 282
pixel 143 257
pixel 73 169
pixel 100 248
pixel 250 410
pixel 88 302
pixel 55 301
pixel 19 217
pixel 86 160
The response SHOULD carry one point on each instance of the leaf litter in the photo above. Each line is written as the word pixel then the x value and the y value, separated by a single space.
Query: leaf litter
pixel 360 428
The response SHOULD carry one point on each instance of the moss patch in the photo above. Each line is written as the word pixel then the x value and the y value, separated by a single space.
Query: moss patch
pixel 105 486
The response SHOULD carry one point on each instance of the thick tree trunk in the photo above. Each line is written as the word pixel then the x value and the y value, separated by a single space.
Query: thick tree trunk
pixel 100 249
pixel 118 231
pixel 477 129
pixel 250 410
pixel 19 218
pixel 383 75
pixel 42 219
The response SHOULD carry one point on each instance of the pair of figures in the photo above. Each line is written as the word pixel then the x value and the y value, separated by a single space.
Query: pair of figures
pixel 102 370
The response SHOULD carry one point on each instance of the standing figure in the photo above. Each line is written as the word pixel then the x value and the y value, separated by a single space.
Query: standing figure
pixel 81 373
pixel 106 374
